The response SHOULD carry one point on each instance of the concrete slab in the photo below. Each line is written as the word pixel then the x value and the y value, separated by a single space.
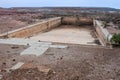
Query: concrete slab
pixel 58 46
pixel 33 50
pixel 22 41
pixel 17 66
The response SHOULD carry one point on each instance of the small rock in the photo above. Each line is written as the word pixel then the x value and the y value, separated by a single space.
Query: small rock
pixel 39 41
pixel 14 60
pixel 4 63
pixel 61 58
pixel 108 71
pixel 14 47
pixel 30 72
pixel 4 70
pixel 8 51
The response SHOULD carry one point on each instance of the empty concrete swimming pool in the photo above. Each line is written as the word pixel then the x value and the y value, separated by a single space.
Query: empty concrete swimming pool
pixel 70 30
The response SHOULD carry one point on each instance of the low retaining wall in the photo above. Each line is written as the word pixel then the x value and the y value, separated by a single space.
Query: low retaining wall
pixel 33 29
pixel 102 33
pixel 77 21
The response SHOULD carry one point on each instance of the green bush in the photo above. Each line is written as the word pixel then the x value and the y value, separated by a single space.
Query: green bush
pixel 115 39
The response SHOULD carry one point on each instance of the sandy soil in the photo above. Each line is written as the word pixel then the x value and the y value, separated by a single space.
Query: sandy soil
pixel 68 34
pixel 77 62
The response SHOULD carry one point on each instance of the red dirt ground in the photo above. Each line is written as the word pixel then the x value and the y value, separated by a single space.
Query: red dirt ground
pixel 77 62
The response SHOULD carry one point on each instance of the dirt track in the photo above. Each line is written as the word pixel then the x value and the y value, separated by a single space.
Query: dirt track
pixel 76 62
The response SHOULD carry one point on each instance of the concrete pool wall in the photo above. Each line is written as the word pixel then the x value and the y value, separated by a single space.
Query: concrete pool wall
pixel 102 33
pixel 75 20
pixel 33 29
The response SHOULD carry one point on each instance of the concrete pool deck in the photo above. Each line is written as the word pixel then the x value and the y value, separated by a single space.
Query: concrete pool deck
pixel 67 34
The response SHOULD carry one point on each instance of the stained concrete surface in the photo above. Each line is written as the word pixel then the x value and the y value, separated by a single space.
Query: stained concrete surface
pixel 67 34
